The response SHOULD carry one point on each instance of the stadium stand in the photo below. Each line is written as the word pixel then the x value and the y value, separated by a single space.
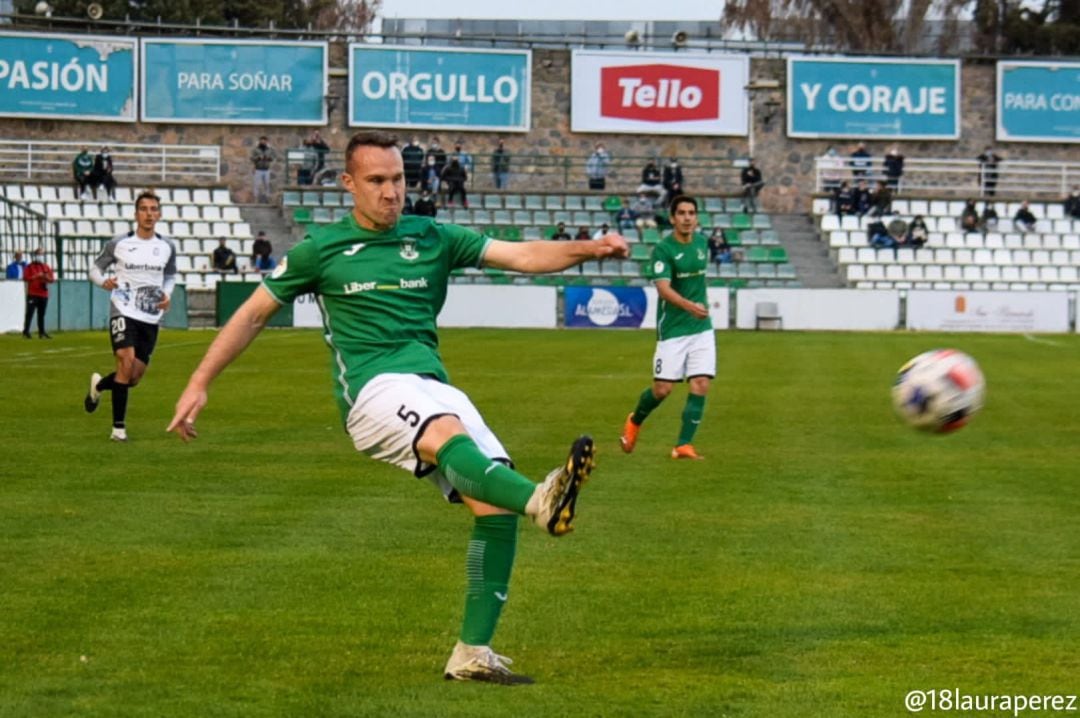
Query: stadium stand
pixel 196 218
pixel 762 261
pixel 1002 258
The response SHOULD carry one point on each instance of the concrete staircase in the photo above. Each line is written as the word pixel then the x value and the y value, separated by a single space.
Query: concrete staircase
pixel 813 266
pixel 268 218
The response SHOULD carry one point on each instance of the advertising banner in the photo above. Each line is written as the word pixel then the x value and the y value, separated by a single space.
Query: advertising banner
pixel 654 93
pixel 414 87
pixel 74 77
pixel 959 311
pixel 873 98
pixel 1038 101
pixel 234 82
pixel 605 306
pixel 824 309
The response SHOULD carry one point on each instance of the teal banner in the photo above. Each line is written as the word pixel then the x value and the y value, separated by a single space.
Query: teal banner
pixel 234 82
pixel 75 77
pixel 439 89
pixel 1038 101
pixel 875 98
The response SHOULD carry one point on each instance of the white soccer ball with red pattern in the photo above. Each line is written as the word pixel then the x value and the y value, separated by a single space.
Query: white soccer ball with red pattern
pixel 939 390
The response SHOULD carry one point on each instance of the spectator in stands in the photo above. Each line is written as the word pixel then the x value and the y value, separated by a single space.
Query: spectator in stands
pixel 464 158
pixel 262 158
pixel 719 249
pixel 860 162
pixel 38 276
pixel 832 171
pixel 439 154
pixel 844 199
pixel 988 170
pixel 407 206
pixel 560 232
pixel 429 178
pixel 425 205
pixel 223 259
pixel 881 200
pixel 81 169
pixel 16 268
pixel 260 249
pixel 102 174
pixel 1072 205
pixel 602 232
pixel 651 180
pixel 265 263
pixel 917 234
pixel 453 181
pixel 316 143
pixel 412 156
pixel 1024 220
pixel 500 166
pixel 752 182
pixel 583 233
pixel 863 199
pixel 969 217
pixel 879 235
pixel 626 218
pixel 894 168
pixel 673 179
pixel 305 172
pixel 645 209
pixel 989 217
pixel 596 167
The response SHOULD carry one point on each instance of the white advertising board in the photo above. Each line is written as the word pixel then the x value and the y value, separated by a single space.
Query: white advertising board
pixel 959 311
pixel 826 309
pixel 657 93
pixel 12 306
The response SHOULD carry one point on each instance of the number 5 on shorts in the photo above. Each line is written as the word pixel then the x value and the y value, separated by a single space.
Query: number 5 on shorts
pixel 409 417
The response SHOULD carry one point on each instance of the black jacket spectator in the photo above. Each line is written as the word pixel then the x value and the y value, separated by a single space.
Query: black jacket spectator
pixel 1024 220
pixel 844 200
pixel 1072 205
pixel 412 156
pixel 425 206
pixel 894 168
pixel 969 217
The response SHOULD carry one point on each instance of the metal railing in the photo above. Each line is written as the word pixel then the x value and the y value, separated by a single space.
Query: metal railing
pixel 536 172
pixel 959 178
pixel 24 230
pixel 40 161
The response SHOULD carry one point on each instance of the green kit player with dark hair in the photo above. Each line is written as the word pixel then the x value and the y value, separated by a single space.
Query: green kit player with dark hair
pixel 685 344
pixel 381 280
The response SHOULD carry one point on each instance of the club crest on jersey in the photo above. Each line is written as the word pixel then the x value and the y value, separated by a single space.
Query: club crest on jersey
pixel 408 250
pixel 701 255
pixel 283 265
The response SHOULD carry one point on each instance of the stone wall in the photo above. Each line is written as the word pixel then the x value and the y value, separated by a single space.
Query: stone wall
pixel 787 163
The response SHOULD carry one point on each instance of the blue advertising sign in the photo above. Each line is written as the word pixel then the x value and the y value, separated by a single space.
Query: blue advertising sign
pixel 1038 101
pixel 605 306
pixel 75 77
pixel 873 98
pixel 234 82
pixel 391 86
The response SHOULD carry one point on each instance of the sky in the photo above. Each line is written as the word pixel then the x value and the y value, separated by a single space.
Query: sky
pixel 626 10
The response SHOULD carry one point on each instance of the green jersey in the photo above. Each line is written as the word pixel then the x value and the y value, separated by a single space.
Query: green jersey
pixel 684 266
pixel 379 294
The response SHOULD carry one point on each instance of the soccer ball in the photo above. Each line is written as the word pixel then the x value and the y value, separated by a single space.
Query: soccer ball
pixel 939 390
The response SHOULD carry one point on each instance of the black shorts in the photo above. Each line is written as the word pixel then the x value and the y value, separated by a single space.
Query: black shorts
pixel 128 332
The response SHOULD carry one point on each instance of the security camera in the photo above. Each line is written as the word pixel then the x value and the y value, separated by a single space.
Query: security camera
pixel 94 11
pixel 43 8
pixel 679 38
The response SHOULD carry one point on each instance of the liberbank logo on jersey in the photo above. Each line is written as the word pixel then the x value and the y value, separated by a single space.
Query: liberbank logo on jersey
pixel 450 89
pixel 659 93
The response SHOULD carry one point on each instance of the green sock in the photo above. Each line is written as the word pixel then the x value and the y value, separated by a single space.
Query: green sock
pixel 691 417
pixel 645 405
pixel 488 567
pixel 480 478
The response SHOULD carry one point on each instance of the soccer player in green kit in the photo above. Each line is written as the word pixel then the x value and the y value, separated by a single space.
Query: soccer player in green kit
pixel 685 345
pixel 380 280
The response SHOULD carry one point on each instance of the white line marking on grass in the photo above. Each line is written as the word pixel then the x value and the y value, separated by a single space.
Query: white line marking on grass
pixel 1040 340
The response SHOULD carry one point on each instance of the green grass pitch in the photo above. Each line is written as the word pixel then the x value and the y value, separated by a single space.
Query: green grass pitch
pixel 824 560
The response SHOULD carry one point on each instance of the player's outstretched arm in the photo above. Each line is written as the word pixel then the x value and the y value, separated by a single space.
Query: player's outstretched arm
pixel 543 256
pixel 230 342
pixel 669 295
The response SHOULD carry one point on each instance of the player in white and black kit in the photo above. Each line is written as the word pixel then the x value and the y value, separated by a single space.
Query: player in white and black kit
pixel 144 267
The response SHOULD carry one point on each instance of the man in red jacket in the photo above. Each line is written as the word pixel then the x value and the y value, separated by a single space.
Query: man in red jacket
pixel 37 275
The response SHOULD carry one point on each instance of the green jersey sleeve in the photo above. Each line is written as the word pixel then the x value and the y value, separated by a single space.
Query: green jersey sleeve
pixel 660 265
pixel 466 247
pixel 296 274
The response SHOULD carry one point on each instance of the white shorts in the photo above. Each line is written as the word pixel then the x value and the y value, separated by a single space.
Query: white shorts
pixel 393 409
pixel 685 357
